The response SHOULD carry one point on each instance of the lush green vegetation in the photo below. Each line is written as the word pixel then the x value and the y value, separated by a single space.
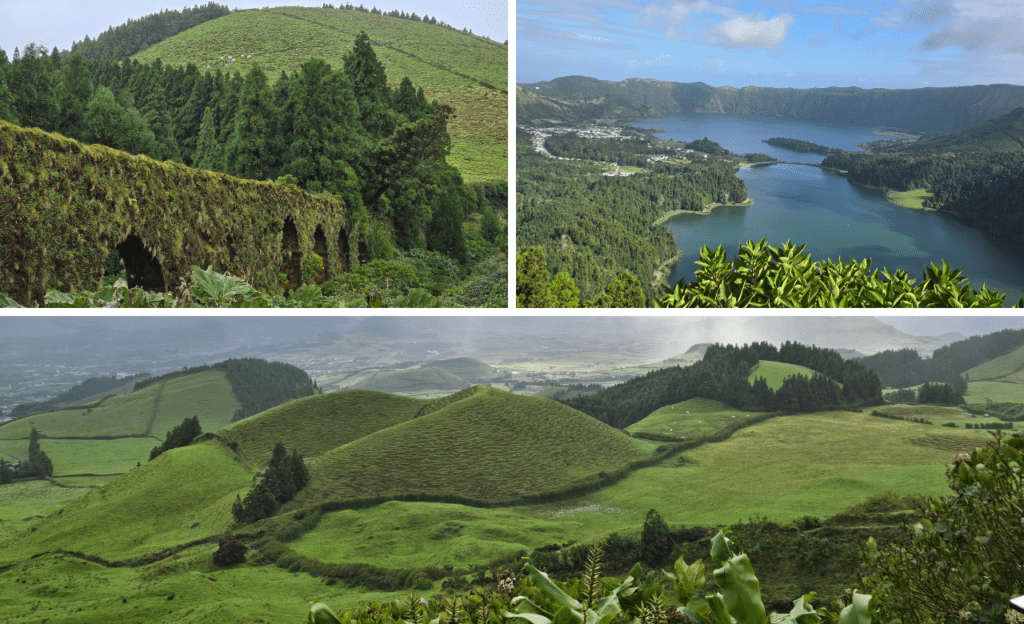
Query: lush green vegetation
pixel 387 165
pixel 761 275
pixel 628 151
pixel 904 368
pixel 909 199
pixel 119 42
pixel 94 388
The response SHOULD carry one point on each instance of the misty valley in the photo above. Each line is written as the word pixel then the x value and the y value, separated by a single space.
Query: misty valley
pixel 378 459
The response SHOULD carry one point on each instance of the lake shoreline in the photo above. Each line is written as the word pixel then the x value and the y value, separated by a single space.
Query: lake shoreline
pixel 704 211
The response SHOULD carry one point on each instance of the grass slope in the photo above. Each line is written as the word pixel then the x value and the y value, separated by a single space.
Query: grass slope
pixel 790 466
pixel 694 417
pixel 183 495
pixel 80 457
pixel 491 446
pixel 775 372
pixel 468 72
pixel 995 391
pixel 317 424
pixel 1003 366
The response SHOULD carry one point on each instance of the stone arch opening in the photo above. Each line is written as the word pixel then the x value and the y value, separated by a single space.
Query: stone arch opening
pixel 141 267
pixel 320 249
pixel 343 251
pixel 292 257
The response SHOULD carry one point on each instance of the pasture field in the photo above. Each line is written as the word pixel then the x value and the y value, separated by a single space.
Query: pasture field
pixel 1002 366
pixel 491 446
pixel 775 372
pixel 412 380
pixel 207 395
pixel 123 415
pixel 470 73
pixel 185 494
pixel 151 411
pixel 692 417
pixel 317 424
pixel 80 457
pixel 928 412
pixel 790 466
pixel 995 391
pixel 909 199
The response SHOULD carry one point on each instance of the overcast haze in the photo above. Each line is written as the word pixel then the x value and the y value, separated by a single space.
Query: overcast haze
pixel 62 22
pixel 774 43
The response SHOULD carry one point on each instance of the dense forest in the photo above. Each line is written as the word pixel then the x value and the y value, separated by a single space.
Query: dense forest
pixel 904 368
pixel 628 151
pixel 340 131
pixel 966 354
pixel 722 375
pixel 258 385
pixel 594 227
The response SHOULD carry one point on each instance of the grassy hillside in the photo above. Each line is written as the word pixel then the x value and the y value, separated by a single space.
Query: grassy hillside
pixel 470 369
pixel 1002 133
pixel 1003 366
pixel 81 457
pixel 317 424
pixel 491 446
pixel 775 372
pixel 183 495
pixel 689 418
pixel 151 411
pixel 995 391
pixel 468 72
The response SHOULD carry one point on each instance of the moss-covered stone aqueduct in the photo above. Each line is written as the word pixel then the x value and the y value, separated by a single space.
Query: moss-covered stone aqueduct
pixel 64 205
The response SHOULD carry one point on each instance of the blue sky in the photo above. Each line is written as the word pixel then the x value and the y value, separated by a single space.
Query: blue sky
pixel 62 22
pixel 774 43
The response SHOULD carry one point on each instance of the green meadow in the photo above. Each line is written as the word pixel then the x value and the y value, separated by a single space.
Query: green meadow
pixel 1003 366
pixel 87 457
pixel 995 391
pixel 693 417
pixel 465 71
pixel 775 372
pixel 909 199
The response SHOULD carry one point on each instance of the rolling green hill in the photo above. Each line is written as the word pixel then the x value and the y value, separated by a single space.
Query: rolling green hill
pixel 490 446
pixel 1000 134
pixel 775 372
pixel 693 417
pixel 317 424
pixel 183 495
pixel 465 71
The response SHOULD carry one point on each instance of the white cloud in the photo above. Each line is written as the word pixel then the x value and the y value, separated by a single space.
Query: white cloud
pixel 752 31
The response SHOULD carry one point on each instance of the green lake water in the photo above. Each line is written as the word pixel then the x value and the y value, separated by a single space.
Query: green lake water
pixel 834 218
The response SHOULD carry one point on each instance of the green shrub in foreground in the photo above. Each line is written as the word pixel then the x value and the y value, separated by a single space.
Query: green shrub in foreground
pixel 763 276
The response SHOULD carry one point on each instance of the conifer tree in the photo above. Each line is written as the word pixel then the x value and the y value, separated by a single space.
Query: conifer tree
pixel 208 154
pixel 40 463
pixel 34 86
pixel 655 541
pixel 248 152
pixel 370 85
pixel 563 292
pixel 73 95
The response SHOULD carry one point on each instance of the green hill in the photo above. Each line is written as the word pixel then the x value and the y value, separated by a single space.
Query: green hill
pixel 465 71
pixel 470 369
pixel 693 417
pixel 1006 366
pixel 490 446
pixel 317 424
pixel 151 411
pixel 775 372
pixel 1000 134
pixel 183 495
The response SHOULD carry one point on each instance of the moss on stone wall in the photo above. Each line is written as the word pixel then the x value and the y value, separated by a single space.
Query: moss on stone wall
pixel 64 205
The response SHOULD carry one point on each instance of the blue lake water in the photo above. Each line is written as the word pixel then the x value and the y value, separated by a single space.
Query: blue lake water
pixel 821 209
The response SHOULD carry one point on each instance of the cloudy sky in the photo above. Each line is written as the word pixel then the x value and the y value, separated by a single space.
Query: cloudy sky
pixel 62 22
pixel 774 43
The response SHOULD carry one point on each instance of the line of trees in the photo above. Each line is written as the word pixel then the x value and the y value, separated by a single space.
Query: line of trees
pixel 38 463
pixel 284 477
pixel 180 436
pixel 903 368
pixel 722 375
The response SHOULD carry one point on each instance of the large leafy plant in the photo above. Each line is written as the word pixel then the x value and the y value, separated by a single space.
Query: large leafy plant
pixel 764 276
